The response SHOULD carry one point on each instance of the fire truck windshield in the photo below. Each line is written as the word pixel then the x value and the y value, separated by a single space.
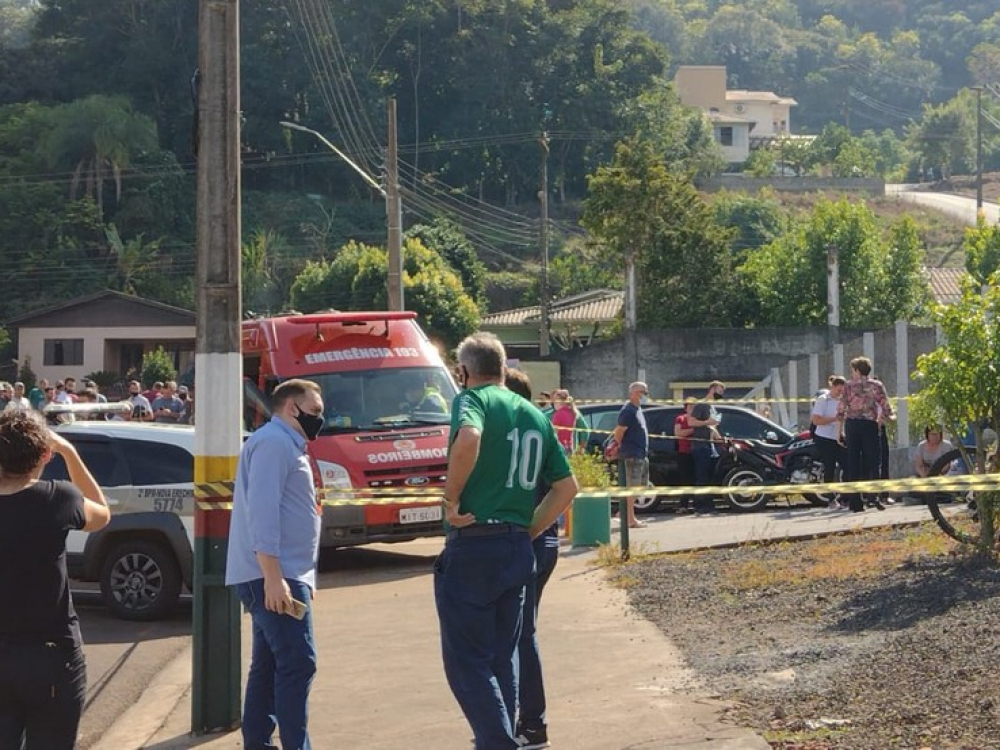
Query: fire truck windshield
pixel 385 398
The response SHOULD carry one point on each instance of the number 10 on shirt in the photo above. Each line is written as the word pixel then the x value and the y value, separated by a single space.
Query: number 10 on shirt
pixel 525 458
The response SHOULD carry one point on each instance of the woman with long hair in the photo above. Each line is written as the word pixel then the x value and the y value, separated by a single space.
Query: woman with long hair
pixel 43 676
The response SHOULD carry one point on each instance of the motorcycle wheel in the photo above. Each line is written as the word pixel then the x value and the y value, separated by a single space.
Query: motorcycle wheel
pixel 819 499
pixel 742 476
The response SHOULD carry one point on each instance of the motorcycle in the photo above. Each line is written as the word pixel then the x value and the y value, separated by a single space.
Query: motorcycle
pixel 755 462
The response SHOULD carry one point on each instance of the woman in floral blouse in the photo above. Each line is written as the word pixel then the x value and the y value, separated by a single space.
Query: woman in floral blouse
pixel 863 400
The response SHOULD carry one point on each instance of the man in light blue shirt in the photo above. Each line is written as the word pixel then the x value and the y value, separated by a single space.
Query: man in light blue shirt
pixel 271 560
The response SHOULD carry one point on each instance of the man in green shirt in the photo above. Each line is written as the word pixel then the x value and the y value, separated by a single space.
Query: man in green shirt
pixel 501 448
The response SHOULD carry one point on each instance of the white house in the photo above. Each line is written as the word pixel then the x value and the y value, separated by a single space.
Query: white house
pixel 107 331
pixel 762 116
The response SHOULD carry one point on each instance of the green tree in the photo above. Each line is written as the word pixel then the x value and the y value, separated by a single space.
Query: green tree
pixel 944 139
pixel 132 258
pixel 638 211
pixel 356 280
pixel 157 365
pixel 258 258
pixel 789 276
pixel 959 387
pixel 982 250
pixel 98 137
pixel 24 372
pixel 447 239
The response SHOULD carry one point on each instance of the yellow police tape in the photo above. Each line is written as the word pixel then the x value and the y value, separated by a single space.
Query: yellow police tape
pixel 394 496
pixel 761 400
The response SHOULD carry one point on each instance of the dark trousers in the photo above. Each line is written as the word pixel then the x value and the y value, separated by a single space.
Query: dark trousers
pixel 832 454
pixel 685 466
pixel 479 585
pixel 531 686
pixel 862 455
pixel 42 689
pixel 282 667
pixel 704 467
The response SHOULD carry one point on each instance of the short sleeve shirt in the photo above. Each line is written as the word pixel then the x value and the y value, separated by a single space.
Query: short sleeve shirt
pixel 33 564
pixel 929 454
pixel 518 450
pixel 826 406
pixel 635 441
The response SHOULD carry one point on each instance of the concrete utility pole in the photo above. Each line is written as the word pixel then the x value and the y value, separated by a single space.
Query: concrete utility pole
pixel 394 213
pixel 833 293
pixel 215 698
pixel 631 337
pixel 543 194
pixel 979 151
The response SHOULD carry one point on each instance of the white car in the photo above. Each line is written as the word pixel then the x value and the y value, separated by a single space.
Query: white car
pixel 144 557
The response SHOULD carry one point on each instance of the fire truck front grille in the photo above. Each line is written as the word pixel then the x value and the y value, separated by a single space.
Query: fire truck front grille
pixel 410 476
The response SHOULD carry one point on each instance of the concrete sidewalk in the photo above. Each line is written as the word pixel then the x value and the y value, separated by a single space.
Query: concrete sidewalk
pixel 613 680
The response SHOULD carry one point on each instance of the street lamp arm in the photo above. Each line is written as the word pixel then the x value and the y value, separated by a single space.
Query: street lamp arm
pixel 367 178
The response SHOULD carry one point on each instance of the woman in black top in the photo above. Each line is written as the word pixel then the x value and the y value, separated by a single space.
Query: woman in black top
pixel 43 676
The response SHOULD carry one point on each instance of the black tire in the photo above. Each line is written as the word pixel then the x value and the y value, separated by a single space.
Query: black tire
pixel 819 499
pixel 741 476
pixel 140 580
pixel 647 503
pixel 964 526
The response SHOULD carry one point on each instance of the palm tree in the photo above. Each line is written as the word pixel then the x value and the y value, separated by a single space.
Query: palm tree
pixel 96 136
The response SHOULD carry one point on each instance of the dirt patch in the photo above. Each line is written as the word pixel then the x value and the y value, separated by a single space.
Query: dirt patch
pixel 864 642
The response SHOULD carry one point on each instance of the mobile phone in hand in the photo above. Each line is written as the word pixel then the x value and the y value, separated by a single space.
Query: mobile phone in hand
pixel 298 610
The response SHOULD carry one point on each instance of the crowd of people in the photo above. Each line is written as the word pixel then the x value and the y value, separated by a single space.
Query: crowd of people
pixel 509 479
pixel 164 402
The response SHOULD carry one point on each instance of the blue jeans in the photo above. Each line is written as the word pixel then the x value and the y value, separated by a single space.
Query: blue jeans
pixel 479 584
pixel 532 688
pixel 282 666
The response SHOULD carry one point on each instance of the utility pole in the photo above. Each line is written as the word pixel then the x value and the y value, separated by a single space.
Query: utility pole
pixel 979 151
pixel 631 337
pixel 394 213
pixel 543 194
pixel 215 697
pixel 833 294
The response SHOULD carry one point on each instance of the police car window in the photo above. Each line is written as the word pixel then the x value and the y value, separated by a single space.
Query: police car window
pixel 157 463
pixel 99 457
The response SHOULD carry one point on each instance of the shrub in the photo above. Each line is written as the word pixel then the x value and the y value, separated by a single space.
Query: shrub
pixel 157 365
pixel 26 375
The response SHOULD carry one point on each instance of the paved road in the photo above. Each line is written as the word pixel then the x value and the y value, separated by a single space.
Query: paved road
pixel 961 208
pixel 122 659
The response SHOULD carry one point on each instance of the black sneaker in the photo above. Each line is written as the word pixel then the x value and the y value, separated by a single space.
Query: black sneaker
pixel 532 739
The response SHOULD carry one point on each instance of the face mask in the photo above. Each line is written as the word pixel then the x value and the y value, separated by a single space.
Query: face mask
pixel 310 424
pixel 643 400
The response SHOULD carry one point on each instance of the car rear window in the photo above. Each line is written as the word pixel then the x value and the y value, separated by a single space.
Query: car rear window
pixel 152 463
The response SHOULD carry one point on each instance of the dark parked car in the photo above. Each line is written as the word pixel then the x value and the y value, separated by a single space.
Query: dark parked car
pixel 737 422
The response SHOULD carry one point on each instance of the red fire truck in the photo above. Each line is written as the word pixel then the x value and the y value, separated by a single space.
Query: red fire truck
pixel 387 396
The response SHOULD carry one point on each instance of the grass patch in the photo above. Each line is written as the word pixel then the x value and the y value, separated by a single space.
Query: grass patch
pixel 861 554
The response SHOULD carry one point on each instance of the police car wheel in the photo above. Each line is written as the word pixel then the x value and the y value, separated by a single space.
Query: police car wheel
pixel 140 580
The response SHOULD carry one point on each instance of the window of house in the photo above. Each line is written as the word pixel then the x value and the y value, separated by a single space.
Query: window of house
pixel 726 136
pixel 63 352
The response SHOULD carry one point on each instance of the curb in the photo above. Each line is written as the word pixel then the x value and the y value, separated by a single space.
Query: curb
pixel 144 718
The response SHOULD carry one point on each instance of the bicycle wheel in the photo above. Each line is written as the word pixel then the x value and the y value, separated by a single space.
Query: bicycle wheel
pixel 961 524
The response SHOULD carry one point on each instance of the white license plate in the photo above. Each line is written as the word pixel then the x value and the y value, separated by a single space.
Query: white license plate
pixel 420 515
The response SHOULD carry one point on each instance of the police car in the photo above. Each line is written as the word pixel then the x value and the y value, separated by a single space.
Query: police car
pixel 144 557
